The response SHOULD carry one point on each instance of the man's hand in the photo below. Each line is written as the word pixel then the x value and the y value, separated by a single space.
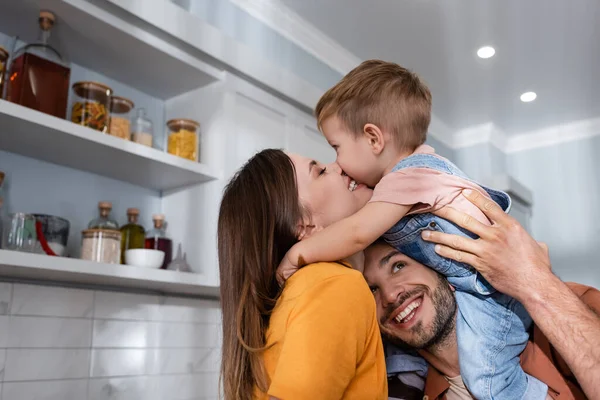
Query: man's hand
pixel 287 267
pixel 505 254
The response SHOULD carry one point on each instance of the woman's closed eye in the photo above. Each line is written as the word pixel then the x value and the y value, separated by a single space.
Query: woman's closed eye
pixel 322 171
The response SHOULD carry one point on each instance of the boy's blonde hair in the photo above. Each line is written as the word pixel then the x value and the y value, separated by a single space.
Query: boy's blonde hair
pixel 381 93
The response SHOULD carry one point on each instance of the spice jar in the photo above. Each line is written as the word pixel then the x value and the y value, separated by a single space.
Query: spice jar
pixel 91 105
pixel 101 245
pixel 120 108
pixel 142 131
pixel 3 60
pixel 183 138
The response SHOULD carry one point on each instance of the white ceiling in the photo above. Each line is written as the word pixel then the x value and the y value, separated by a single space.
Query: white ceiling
pixel 547 46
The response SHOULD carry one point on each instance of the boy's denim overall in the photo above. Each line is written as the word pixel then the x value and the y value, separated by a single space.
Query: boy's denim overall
pixel 491 327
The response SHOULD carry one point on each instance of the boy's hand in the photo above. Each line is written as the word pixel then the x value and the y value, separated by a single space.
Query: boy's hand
pixel 287 267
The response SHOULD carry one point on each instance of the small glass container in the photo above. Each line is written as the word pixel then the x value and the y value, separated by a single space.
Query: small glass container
pixel 104 221
pixel 91 105
pixel 120 110
pixel 142 131
pixel 19 233
pixel 3 60
pixel 133 235
pixel 183 138
pixel 158 239
pixel 101 245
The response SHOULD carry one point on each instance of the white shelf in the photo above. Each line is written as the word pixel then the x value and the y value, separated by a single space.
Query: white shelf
pixel 25 266
pixel 44 137
pixel 104 38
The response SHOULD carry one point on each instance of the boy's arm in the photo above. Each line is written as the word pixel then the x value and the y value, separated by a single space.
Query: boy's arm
pixel 346 237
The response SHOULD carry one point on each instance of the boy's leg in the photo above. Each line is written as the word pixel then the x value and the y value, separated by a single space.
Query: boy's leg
pixel 492 333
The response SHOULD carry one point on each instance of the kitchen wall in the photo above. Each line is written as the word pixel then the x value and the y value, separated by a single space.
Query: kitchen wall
pixel 244 28
pixel 75 344
pixel 481 161
pixel 565 180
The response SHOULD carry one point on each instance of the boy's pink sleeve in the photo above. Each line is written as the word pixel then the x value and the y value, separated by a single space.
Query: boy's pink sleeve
pixel 425 188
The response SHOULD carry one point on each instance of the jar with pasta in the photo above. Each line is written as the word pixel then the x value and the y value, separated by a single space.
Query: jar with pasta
pixel 183 138
pixel 91 105
pixel 120 110
pixel 101 245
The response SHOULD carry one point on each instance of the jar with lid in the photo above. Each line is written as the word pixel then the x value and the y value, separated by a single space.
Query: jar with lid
pixel 39 75
pixel 104 221
pixel 120 110
pixel 133 235
pixel 183 138
pixel 3 61
pixel 101 245
pixel 142 131
pixel 91 105
pixel 158 239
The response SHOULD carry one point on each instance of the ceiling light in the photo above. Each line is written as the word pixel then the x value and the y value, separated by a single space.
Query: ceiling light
pixel 486 52
pixel 528 96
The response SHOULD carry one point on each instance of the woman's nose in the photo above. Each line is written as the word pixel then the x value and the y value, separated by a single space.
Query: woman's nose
pixel 334 167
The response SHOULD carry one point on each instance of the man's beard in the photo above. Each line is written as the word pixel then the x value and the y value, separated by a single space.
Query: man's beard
pixel 444 305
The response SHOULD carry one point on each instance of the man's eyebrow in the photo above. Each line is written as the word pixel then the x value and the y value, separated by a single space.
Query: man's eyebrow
pixel 311 165
pixel 383 262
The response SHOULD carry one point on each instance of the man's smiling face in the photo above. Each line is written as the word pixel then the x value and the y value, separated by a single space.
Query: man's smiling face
pixel 415 305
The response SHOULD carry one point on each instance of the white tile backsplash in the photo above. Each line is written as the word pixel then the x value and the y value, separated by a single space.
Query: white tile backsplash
pixel 5 295
pixel 49 332
pixel 4 330
pixel 42 364
pixel 46 390
pixel 78 344
pixel 126 306
pixel 121 362
pixel 51 301
pixel 2 364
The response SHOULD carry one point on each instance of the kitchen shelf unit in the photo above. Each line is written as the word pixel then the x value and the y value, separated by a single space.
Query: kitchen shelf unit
pixel 36 267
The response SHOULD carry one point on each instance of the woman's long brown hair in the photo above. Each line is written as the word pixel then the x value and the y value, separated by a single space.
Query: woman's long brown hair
pixel 258 220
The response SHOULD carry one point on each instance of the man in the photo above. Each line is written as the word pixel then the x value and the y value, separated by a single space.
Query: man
pixel 416 308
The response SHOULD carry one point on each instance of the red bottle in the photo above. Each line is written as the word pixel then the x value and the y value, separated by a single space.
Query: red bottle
pixel 157 239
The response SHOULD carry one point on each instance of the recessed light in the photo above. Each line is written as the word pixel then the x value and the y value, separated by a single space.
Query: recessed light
pixel 528 96
pixel 486 52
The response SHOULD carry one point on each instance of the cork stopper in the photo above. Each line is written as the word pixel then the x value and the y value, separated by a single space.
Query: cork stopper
pixel 133 211
pixel 46 20
pixel 158 217
pixel 105 204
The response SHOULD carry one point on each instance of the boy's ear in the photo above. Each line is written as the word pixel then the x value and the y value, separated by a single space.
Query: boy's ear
pixel 375 137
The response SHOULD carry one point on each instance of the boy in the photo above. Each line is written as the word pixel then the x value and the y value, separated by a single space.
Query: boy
pixel 376 118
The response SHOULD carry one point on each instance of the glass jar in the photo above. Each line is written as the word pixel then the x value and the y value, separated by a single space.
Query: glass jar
pixel 91 105
pixel 120 110
pixel 133 235
pixel 3 61
pixel 104 221
pixel 39 75
pixel 101 245
pixel 19 233
pixel 183 138
pixel 142 131
pixel 158 239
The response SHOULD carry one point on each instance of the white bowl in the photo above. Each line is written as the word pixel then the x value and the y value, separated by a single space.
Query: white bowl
pixel 146 258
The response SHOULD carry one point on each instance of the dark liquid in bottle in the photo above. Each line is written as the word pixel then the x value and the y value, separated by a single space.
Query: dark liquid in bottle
pixel 39 84
pixel 165 245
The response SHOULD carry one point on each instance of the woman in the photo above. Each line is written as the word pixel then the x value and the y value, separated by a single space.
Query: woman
pixel 318 337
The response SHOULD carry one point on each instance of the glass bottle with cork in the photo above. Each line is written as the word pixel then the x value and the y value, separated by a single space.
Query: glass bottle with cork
pixel 104 221
pixel 39 75
pixel 133 235
pixel 157 239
